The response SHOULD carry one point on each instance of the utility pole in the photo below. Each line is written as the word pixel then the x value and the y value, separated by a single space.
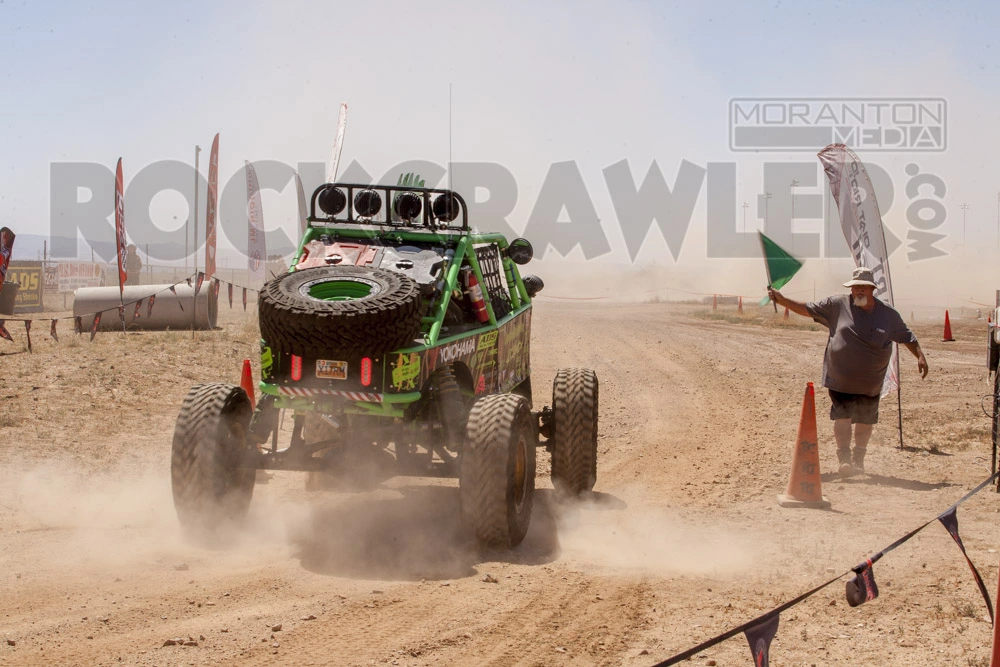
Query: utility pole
pixel 965 207
pixel 194 239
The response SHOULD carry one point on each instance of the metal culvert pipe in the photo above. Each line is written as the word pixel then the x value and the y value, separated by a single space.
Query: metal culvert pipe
pixel 170 310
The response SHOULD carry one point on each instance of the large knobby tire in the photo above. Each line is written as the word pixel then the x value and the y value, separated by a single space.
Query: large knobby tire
pixel 574 430
pixel 339 309
pixel 497 471
pixel 212 484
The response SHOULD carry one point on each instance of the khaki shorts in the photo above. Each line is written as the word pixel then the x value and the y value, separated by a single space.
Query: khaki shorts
pixel 861 409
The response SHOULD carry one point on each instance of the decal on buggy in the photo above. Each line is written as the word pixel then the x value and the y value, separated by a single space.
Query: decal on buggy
pixel 483 355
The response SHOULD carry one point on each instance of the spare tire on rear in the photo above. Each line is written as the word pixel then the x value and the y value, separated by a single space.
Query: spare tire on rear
pixel 339 309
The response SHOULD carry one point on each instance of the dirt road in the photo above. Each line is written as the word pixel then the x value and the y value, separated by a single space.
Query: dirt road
pixel 683 539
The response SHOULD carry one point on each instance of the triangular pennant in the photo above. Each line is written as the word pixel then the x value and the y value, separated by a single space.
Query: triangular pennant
pixel 4 333
pixel 93 327
pixel 27 332
pixel 52 331
pixel 78 324
pixel 188 281
pixel 759 637
pixel 138 305
pixel 244 298
pixel 215 288
pixel 230 295
pixel 950 522
pixel 121 314
pixel 861 587
pixel 179 302
pixel 197 285
pixel 149 307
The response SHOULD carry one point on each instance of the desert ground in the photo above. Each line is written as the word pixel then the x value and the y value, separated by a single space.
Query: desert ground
pixel 682 540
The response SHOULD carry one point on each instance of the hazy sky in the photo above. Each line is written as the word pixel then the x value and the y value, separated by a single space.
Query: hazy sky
pixel 533 84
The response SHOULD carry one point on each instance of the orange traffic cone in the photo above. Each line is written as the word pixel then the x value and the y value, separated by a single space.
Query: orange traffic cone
pixel 739 308
pixel 246 382
pixel 947 329
pixel 804 486
pixel 786 313
pixel 715 302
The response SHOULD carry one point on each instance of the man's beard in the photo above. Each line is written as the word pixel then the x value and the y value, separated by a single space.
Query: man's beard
pixel 860 301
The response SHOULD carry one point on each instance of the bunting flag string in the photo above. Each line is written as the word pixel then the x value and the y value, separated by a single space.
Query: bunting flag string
pixel 27 333
pixel 93 327
pixel 950 522
pixel 861 588
pixel 215 283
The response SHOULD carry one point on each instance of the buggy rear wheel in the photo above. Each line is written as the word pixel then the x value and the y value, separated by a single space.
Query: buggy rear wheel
pixel 497 471
pixel 211 481
pixel 574 430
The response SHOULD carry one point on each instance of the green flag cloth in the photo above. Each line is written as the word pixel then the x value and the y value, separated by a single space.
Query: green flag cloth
pixel 779 264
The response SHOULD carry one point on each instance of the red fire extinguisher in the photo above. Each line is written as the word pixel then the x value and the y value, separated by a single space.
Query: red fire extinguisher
pixel 476 297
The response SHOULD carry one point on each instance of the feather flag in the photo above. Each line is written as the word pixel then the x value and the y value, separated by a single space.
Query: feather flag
pixel 256 244
pixel 120 231
pixel 211 207
pixel 861 222
pixel 6 249
pixel 303 211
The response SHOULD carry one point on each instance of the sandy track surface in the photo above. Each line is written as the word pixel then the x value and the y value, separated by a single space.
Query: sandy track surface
pixel 682 540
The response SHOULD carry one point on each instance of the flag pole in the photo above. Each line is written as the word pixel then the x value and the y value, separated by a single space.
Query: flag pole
pixel 767 267
pixel 899 400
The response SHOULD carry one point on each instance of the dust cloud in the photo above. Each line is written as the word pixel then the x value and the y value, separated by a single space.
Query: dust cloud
pixel 604 533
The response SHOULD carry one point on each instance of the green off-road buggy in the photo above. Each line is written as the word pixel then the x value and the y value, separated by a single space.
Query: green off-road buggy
pixel 399 344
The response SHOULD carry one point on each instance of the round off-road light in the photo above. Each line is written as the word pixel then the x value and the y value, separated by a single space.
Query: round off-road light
pixel 407 205
pixel 332 200
pixel 367 203
pixel 445 208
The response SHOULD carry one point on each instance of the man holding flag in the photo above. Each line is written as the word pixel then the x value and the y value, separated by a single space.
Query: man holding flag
pixel 862 331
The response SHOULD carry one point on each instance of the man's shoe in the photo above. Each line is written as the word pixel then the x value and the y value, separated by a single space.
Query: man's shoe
pixel 859 459
pixel 844 457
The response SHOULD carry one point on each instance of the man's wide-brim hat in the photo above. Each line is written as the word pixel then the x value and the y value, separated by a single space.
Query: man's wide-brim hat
pixel 861 276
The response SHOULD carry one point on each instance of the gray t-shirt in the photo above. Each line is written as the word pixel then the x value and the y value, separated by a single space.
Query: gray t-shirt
pixel 860 344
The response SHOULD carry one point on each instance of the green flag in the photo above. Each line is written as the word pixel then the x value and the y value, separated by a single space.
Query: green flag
pixel 779 264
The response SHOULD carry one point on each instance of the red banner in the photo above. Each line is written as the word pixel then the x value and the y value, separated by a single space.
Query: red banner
pixel 6 248
pixel 213 199
pixel 120 227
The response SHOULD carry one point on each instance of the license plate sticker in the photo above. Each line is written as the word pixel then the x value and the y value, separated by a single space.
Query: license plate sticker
pixel 329 369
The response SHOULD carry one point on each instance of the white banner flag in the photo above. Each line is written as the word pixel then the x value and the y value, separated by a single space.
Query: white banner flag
pixel 256 247
pixel 862 225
